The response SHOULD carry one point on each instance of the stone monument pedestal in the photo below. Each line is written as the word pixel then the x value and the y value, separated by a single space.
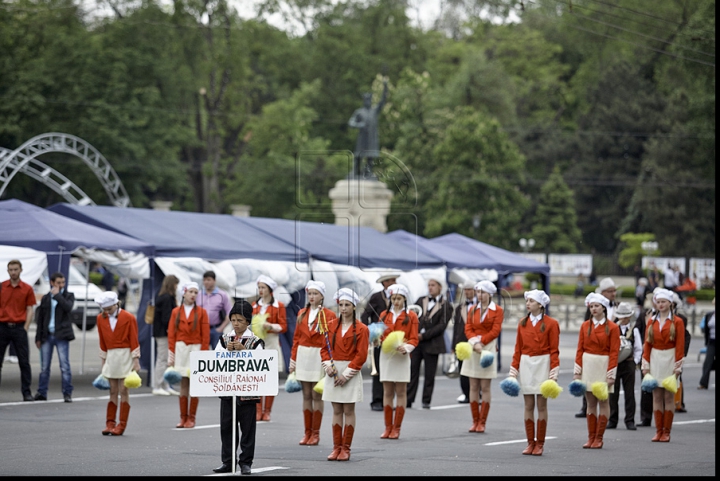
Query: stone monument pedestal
pixel 361 203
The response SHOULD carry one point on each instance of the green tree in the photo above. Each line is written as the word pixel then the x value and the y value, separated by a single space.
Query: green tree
pixel 555 226
pixel 633 252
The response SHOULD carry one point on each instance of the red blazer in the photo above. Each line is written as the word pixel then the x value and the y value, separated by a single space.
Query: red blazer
pixel 410 329
pixel 599 343
pixel 489 329
pixel 353 346
pixel 125 334
pixel 662 338
pixel 184 331
pixel 531 342
pixel 276 315
pixel 307 336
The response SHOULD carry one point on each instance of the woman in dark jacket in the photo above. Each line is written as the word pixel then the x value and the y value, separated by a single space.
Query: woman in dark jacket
pixel 165 302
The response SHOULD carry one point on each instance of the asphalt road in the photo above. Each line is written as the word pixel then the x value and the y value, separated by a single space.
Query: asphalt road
pixel 54 438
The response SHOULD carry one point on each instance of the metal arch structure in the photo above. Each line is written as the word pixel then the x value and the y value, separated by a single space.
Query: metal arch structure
pixel 24 159
pixel 53 179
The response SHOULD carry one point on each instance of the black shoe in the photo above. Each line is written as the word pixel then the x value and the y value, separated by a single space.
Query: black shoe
pixel 646 423
pixel 581 414
pixel 631 426
pixel 39 397
pixel 245 469
pixel 680 410
pixel 426 405
pixel 28 397
pixel 409 405
pixel 68 398
pixel 611 426
pixel 376 406
pixel 224 468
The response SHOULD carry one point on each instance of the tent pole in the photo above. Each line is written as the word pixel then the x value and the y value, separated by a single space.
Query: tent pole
pixel 84 322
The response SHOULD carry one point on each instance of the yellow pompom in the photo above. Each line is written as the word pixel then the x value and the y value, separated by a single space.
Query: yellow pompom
pixel 320 386
pixel 463 351
pixel 393 341
pixel 670 383
pixel 132 380
pixel 550 389
pixel 257 326
pixel 600 390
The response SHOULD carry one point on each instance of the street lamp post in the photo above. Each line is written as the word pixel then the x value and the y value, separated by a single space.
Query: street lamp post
pixel 527 244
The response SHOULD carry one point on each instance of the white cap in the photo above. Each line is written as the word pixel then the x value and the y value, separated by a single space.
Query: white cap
pixel 317 285
pixel 107 299
pixel 663 294
pixel 346 294
pixel 594 297
pixel 190 285
pixel 539 296
pixel 605 284
pixel 399 289
pixel 486 286
pixel 267 281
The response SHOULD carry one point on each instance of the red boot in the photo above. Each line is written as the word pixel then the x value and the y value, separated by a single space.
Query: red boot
pixel 484 410
pixel 307 418
pixel 530 432
pixel 667 425
pixel 315 431
pixel 659 426
pixel 268 407
pixel 337 442
pixel 388 411
pixel 183 411
pixel 601 424
pixel 190 421
pixel 592 430
pixel 540 443
pixel 475 411
pixel 124 414
pixel 399 415
pixel 347 441
pixel 110 418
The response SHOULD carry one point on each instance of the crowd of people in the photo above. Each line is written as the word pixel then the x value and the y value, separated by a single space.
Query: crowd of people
pixel 330 347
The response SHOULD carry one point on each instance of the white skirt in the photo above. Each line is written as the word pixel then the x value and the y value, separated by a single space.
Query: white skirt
pixel 272 341
pixel 662 363
pixel 308 364
pixel 351 392
pixel 182 356
pixel 534 370
pixel 394 367
pixel 472 368
pixel 118 363
pixel 595 368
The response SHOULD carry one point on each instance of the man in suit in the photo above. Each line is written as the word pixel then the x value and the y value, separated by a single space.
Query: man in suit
pixel 467 301
pixel 377 303
pixel 436 313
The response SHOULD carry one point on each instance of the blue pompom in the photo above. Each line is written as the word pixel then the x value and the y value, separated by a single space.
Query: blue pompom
pixel 648 383
pixel 486 359
pixel 101 382
pixel 577 388
pixel 376 331
pixel 510 386
pixel 292 384
pixel 172 376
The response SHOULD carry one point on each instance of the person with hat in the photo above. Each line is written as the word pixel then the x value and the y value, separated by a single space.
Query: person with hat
pixel 241 338
pixel 607 289
pixel 628 362
pixel 342 360
pixel 436 313
pixel 378 302
pixel 663 356
pixel 120 354
pixel 188 331
pixel 275 324
pixel 465 304
pixel 482 330
pixel 536 359
pixel 395 365
pixel 596 361
pixel 305 361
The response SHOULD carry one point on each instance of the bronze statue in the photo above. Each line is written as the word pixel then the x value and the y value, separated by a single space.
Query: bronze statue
pixel 367 147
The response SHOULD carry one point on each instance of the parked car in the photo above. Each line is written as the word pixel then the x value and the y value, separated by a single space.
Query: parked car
pixel 84 291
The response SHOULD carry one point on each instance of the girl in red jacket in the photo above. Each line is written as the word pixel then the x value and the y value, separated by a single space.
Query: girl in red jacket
pixel 596 360
pixel 348 339
pixel 663 354
pixel 536 359
pixel 275 324
pixel 482 330
pixel 188 331
pixel 120 354
pixel 305 360
pixel 395 366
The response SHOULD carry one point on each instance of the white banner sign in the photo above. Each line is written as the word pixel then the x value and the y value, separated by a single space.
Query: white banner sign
pixel 570 264
pixel 239 373
pixel 702 271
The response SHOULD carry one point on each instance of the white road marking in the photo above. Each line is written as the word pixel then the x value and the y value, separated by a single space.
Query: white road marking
pixel 515 441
